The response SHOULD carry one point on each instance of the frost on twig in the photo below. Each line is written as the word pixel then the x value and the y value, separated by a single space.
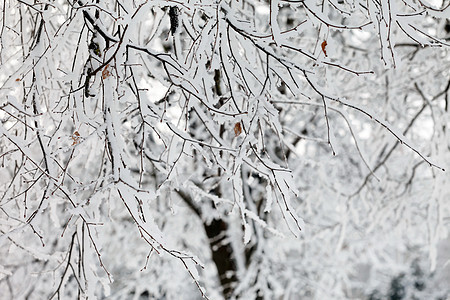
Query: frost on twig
pixel 229 150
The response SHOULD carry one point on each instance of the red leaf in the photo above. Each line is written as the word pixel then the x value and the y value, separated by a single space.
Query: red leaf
pixel 324 44
pixel 237 129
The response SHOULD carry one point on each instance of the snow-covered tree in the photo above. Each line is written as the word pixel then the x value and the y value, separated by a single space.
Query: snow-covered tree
pixel 221 149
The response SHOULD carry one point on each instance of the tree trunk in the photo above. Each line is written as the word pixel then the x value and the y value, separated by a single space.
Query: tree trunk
pixel 221 249
pixel 222 255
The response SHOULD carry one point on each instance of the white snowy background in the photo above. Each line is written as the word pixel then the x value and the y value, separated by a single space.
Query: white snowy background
pixel 224 149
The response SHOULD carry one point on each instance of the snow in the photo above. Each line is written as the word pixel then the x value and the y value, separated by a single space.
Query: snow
pixel 115 159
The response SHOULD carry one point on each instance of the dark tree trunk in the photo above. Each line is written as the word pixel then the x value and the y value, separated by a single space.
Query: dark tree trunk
pixel 222 255
pixel 221 249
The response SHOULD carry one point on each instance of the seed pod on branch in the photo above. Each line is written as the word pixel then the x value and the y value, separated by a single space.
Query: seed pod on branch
pixel 173 14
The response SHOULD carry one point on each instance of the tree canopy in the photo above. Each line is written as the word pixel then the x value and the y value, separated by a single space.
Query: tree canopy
pixel 223 149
